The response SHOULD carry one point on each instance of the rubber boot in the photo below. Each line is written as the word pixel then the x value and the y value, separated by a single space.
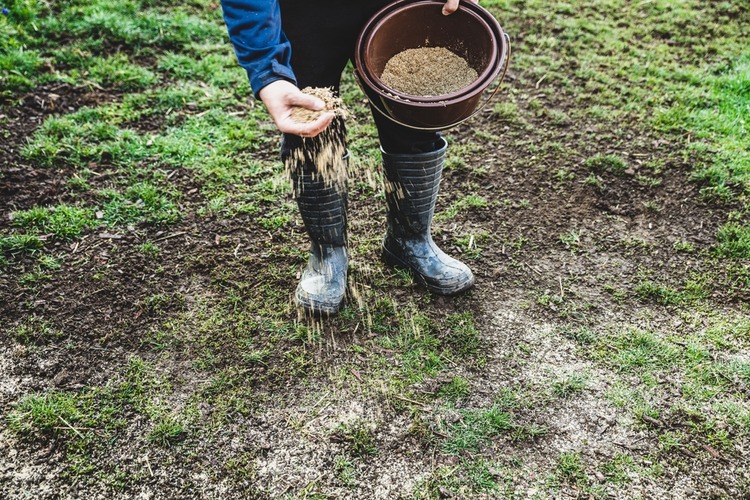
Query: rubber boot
pixel 412 184
pixel 323 206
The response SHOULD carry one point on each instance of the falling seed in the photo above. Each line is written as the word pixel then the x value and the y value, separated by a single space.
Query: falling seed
pixel 328 149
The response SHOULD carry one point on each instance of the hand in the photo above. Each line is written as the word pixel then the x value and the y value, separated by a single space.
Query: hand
pixel 451 6
pixel 281 96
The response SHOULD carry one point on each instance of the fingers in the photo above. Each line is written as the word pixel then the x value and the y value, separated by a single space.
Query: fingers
pixel 310 129
pixel 451 6
pixel 305 101
pixel 280 97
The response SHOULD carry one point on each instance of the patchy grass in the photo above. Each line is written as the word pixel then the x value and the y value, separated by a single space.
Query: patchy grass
pixel 466 203
pixel 468 478
pixel 607 163
pixel 49 414
pixel 64 221
pixel 35 331
pixel 167 431
pixel 733 241
pixel 693 291
pixel 474 428
pixel 602 353
pixel 359 438
pixel 664 71
pixel 71 415
pixel 20 243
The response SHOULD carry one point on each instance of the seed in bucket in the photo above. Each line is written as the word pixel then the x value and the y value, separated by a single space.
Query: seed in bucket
pixel 328 149
pixel 427 71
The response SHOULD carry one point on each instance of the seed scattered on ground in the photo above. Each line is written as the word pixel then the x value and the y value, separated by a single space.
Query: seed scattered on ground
pixel 427 71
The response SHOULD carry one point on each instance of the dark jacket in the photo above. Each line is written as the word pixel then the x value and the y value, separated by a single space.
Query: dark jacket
pixel 260 44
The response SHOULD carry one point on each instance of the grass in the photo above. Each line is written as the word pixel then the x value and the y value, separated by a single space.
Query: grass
pixel 66 414
pixel 30 31
pixel 20 244
pixel 571 239
pixel 473 245
pixel 463 337
pixel 715 108
pixel 35 331
pixel 141 202
pixel 345 470
pixel 118 73
pixel 569 385
pixel 733 241
pixel 468 478
pixel 570 467
pixel 664 72
pixel 616 470
pixel 465 203
pixel 358 437
pixel 455 390
pixel 426 346
pixel 85 423
pixel 701 375
pixel 607 163
pixel 64 221
pixel 167 431
pixel 475 428
pixel 164 132
pixel 693 291
pixel 48 413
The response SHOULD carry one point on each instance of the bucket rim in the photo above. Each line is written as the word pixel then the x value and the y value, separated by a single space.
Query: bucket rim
pixel 480 84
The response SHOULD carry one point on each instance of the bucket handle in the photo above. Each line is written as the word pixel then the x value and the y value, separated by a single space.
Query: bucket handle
pixel 445 127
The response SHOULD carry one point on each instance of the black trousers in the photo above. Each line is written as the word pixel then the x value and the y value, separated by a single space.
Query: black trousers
pixel 323 34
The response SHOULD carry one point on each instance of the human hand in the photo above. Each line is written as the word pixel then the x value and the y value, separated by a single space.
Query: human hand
pixel 451 6
pixel 281 97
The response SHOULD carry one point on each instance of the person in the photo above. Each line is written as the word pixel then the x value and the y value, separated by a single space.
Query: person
pixel 287 45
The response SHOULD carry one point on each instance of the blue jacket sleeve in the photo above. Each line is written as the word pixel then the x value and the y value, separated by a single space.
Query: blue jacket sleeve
pixel 260 44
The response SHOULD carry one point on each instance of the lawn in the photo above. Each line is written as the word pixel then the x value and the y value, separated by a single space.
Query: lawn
pixel 150 247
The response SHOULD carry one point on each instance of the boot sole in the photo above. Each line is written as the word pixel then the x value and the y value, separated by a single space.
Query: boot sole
pixel 318 309
pixel 394 261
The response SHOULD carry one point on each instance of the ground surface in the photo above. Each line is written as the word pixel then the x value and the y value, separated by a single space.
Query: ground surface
pixel 150 248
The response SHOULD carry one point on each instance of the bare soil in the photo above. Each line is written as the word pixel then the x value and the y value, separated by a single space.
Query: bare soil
pixel 96 302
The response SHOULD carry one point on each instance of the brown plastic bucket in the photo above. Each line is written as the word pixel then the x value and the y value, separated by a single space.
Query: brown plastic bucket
pixel 471 32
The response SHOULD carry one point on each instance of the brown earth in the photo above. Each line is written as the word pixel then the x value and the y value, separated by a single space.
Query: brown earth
pixel 103 321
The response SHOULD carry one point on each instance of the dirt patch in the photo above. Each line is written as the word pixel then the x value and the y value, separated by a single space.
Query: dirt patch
pixel 549 249
pixel 23 185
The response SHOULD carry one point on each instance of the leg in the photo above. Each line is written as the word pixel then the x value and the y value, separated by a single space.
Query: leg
pixel 413 162
pixel 318 58
pixel 322 205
